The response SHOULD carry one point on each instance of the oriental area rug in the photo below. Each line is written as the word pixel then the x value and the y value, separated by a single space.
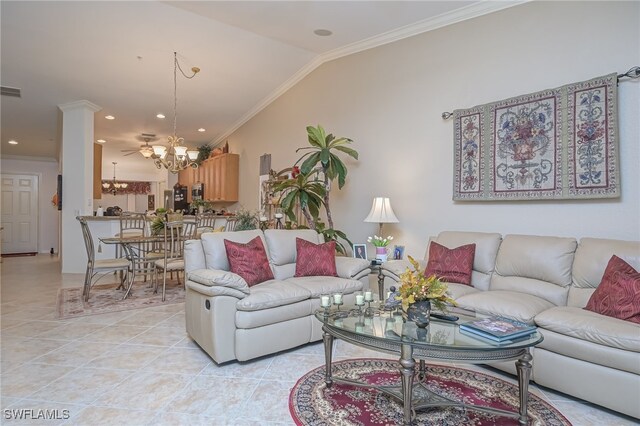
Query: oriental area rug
pixel 105 298
pixel 311 403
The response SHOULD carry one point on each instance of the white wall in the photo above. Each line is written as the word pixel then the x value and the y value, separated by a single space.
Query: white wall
pixel 47 172
pixel 389 100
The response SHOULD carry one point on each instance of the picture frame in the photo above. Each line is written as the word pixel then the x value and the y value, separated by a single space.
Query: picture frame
pixel 398 252
pixel 360 251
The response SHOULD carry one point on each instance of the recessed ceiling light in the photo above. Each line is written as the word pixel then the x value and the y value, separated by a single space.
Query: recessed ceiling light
pixel 12 142
pixel 109 117
pixel 160 115
pixel 201 130
pixel 101 141
pixel 322 32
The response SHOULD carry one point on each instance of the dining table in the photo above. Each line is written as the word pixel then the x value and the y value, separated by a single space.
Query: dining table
pixel 136 250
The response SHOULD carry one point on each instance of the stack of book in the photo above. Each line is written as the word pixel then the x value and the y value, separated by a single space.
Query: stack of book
pixel 497 329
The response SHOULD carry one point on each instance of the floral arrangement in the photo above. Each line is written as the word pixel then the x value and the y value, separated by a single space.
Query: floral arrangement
pixel 415 286
pixel 379 241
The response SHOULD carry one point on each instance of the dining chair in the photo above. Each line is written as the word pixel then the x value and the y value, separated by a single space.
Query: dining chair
pixel 175 234
pixel 206 222
pixel 230 225
pixel 100 266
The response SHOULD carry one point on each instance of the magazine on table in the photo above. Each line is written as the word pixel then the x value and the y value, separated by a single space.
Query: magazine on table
pixel 498 328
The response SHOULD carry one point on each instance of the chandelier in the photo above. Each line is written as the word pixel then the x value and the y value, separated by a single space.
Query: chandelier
pixel 114 185
pixel 176 156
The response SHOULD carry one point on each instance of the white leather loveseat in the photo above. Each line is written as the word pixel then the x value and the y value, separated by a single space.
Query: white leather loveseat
pixel 548 281
pixel 231 320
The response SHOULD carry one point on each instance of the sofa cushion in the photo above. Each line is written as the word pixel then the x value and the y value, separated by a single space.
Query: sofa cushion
pixel 282 243
pixel 253 319
pixel 210 277
pixel 458 290
pixel 587 325
pixel 317 286
pixel 272 293
pixel 519 306
pixel 315 259
pixel 618 295
pixel 214 250
pixel 451 265
pixel 249 261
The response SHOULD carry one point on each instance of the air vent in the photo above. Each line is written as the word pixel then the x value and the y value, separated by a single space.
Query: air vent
pixel 10 91
pixel 148 135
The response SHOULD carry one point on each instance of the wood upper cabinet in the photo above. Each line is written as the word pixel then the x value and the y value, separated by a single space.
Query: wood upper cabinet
pixel 97 171
pixel 219 176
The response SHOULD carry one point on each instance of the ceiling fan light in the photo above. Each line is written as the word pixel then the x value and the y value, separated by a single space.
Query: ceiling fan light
pixel 159 150
pixel 193 155
pixel 146 152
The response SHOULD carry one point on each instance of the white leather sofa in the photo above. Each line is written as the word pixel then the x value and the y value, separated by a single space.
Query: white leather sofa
pixel 547 281
pixel 231 320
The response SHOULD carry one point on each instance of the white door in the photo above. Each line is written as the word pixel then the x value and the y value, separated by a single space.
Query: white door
pixel 19 213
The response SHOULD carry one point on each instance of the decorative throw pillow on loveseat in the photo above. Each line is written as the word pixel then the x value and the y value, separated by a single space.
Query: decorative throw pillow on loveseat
pixel 249 261
pixel 315 259
pixel 451 265
pixel 618 294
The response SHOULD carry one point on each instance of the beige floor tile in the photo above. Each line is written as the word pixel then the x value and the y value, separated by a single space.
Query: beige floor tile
pixel 107 416
pixel 32 313
pixel 180 360
pixel 28 378
pixel 106 319
pixel 7 401
pixel 159 336
pixel 581 414
pixel 7 324
pixel 32 412
pixel 126 357
pixel 82 385
pixel 177 320
pixel 288 367
pixel 145 390
pixel 316 348
pixel 347 350
pixel 71 331
pixel 76 353
pixel 146 318
pixel 269 402
pixel 231 394
pixel 176 419
pixel 172 308
pixel 115 333
pixel 32 328
pixel 29 349
pixel 187 342
pixel 9 308
pixel 253 369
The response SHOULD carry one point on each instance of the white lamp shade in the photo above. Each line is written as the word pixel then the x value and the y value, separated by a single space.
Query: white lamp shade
pixel 146 152
pixel 381 211
pixel 181 151
pixel 193 155
pixel 159 150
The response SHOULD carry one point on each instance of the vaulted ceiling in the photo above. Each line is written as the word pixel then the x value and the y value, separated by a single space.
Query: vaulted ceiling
pixel 119 55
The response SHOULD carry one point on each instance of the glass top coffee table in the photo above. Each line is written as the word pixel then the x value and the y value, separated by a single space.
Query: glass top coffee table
pixel 389 332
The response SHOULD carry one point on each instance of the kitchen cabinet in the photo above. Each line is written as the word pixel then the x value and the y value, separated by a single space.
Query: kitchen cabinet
pixel 218 174
pixel 97 171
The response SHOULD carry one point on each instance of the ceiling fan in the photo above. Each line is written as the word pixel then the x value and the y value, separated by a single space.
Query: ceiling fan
pixel 145 149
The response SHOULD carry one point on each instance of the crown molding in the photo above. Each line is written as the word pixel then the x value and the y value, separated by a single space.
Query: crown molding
pixel 82 104
pixel 469 12
pixel 28 158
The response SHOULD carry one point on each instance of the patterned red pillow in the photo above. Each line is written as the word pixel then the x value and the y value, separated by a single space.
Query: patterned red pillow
pixel 315 259
pixel 618 294
pixel 451 265
pixel 249 261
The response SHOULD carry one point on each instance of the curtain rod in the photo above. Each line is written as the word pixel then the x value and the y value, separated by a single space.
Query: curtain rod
pixel 634 72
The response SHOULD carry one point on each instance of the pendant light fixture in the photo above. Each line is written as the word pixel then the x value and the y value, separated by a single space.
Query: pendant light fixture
pixel 114 186
pixel 176 156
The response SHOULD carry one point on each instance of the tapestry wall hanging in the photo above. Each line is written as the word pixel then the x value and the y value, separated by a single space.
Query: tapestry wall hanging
pixel 554 144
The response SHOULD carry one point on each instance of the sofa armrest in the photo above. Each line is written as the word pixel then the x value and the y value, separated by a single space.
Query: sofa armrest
pixel 219 278
pixel 214 290
pixel 393 268
pixel 350 267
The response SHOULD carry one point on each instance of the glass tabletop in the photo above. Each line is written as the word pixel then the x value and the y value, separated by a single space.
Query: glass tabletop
pixel 391 326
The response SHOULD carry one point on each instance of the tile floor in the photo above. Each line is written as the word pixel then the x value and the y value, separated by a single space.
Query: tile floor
pixel 141 368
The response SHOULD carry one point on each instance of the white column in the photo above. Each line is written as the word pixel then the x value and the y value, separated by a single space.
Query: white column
pixel 76 160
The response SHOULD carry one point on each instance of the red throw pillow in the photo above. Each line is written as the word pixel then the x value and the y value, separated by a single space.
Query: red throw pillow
pixel 315 259
pixel 451 265
pixel 249 261
pixel 618 294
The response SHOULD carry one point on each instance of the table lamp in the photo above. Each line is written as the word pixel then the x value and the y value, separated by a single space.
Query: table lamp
pixel 381 212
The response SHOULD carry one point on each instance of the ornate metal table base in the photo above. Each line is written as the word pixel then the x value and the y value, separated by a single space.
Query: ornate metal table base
pixel 420 397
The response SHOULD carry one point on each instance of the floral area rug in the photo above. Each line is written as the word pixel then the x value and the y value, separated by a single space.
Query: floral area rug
pixel 312 403
pixel 105 299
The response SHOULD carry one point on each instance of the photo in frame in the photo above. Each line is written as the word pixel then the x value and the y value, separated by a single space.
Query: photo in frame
pixel 398 252
pixel 360 251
